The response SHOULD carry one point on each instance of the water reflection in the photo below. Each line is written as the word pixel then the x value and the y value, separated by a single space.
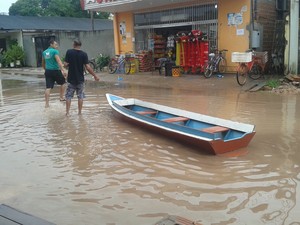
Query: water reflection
pixel 91 168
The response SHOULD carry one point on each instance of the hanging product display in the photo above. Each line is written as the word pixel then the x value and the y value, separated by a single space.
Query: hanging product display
pixel 193 51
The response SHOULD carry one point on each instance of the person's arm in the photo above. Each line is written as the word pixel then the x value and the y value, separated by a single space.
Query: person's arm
pixel 61 65
pixel 91 71
pixel 43 63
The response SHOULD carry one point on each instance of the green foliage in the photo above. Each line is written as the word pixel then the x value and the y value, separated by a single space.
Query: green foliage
pixel 102 61
pixel 8 58
pixel 12 42
pixel 26 8
pixel 18 53
pixel 13 54
pixel 60 8
pixel 274 83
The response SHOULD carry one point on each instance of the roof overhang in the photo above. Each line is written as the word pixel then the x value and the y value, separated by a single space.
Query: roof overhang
pixel 114 6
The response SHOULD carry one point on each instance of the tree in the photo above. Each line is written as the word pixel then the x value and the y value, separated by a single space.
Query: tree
pixel 26 8
pixel 61 8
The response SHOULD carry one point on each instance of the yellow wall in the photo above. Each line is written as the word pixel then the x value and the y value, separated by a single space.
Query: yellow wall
pixel 228 37
pixel 124 42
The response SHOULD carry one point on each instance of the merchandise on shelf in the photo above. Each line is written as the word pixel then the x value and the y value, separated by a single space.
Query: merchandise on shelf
pixel 159 47
pixel 145 59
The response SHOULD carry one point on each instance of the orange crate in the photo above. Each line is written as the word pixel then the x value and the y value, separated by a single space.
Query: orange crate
pixel 176 71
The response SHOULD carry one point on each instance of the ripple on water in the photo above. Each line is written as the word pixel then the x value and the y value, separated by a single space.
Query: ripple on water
pixel 109 170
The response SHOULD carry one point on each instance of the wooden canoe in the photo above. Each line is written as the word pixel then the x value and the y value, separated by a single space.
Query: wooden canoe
pixel 211 134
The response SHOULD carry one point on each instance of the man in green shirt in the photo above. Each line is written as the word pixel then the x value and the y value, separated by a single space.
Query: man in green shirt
pixel 54 71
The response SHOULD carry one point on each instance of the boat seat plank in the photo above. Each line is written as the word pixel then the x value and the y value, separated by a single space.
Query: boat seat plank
pixel 146 112
pixel 214 129
pixel 176 119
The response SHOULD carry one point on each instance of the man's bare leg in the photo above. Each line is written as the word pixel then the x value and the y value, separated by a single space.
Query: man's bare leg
pixel 62 90
pixel 80 104
pixel 47 97
pixel 68 105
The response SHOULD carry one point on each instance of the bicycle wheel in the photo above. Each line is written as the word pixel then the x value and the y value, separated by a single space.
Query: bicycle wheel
pixel 271 69
pixel 222 65
pixel 127 66
pixel 92 65
pixel 241 74
pixel 208 71
pixel 255 72
pixel 112 66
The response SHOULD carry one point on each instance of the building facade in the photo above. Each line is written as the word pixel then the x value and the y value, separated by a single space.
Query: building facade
pixel 34 33
pixel 228 24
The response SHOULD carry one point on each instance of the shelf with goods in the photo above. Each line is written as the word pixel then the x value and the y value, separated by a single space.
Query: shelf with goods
pixel 159 48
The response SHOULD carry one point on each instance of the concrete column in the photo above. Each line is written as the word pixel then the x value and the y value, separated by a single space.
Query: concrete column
pixel 116 34
pixel 294 38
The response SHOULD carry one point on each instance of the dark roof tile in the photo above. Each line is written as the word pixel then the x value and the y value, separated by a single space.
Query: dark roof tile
pixel 53 23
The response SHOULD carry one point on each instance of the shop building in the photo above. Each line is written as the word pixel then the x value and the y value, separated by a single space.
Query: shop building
pixel 33 35
pixel 224 24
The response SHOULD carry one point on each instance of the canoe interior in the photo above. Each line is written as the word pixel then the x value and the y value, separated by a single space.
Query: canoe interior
pixel 188 125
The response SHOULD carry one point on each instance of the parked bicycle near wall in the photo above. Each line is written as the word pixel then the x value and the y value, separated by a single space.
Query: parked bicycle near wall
pixel 251 64
pixel 98 63
pixel 120 62
pixel 276 65
pixel 216 64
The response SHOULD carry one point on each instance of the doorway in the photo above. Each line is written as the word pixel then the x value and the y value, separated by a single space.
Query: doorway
pixel 41 44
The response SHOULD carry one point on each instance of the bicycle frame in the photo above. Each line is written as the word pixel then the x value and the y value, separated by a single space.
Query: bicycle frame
pixel 118 63
pixel 254 69
pixel 214 63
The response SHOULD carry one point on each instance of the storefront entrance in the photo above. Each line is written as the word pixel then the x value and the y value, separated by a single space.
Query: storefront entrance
pixel 160 32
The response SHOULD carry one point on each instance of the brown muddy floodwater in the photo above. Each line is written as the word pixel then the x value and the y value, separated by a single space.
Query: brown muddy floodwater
pixel 96 170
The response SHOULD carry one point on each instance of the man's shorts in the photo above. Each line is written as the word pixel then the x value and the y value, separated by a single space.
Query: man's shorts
pixel 53 76
pixel 79 88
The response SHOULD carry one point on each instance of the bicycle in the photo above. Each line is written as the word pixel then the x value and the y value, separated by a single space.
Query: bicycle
pixel 251 64
pixel 217 63
pixel 276 65
pixel 98 63
pixel 93 65
pixel 120 62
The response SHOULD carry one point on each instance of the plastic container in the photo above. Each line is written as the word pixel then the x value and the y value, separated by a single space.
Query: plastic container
pixel 133 68
pixel 176 71
pixel 241 57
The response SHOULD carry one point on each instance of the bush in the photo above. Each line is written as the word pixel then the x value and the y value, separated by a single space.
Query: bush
pixel 273 83
pixel 102 61
pixel 13 54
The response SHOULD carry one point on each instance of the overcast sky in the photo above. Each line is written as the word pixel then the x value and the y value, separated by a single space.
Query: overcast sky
pixel 5 4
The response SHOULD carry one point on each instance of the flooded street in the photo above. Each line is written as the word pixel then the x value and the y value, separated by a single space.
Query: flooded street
pixel 94 169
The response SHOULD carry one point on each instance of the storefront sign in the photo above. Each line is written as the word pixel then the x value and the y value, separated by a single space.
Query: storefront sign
pixel 85 4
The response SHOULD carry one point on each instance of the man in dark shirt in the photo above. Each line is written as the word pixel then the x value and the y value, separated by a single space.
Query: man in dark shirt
pixel 77 61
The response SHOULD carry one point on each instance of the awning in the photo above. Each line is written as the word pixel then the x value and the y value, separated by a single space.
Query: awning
pixel 127 5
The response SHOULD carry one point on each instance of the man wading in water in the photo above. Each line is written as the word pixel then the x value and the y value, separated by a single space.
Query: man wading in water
pixel 54 71
pixel 77 60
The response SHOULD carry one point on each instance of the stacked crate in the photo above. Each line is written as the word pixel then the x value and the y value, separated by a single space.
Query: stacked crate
pixel 145 59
